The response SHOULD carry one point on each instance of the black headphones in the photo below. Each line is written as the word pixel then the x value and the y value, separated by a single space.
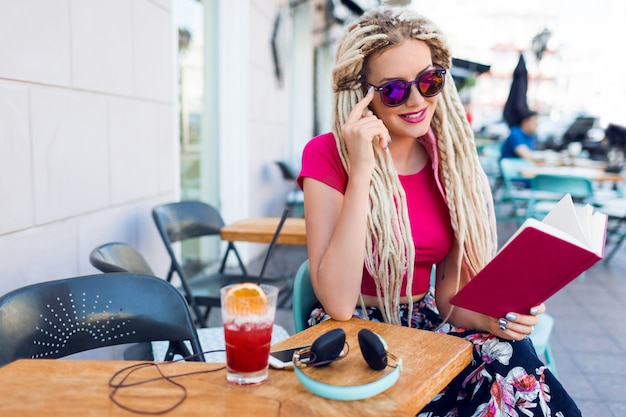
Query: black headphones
pixel 332 346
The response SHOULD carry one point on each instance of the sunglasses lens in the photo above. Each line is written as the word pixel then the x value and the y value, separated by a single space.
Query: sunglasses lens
pixel 395 92
pixel 431 83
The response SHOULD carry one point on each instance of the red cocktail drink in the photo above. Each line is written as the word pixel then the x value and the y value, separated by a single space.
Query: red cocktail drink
pixel 247 346
pixel 248 315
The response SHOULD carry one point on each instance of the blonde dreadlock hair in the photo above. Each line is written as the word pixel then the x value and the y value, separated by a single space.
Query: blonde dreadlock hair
pixel 390 253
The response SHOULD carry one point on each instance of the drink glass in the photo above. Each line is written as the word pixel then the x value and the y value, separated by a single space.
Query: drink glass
pixel 247 333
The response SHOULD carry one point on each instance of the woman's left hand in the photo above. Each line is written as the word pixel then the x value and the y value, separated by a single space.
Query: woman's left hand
pixel 516 326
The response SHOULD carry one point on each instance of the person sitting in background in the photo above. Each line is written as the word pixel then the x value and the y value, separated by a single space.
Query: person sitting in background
pixel 521 140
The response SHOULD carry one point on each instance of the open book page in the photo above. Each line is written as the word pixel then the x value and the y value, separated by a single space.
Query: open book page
pixel 594 225
pixel 581 227
pixel 599 223
pixel 563 216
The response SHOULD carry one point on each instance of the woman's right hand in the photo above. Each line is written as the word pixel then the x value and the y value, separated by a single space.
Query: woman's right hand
pixel 361 129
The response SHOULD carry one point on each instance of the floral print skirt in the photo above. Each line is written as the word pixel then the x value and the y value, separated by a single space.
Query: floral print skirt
pixel 505 378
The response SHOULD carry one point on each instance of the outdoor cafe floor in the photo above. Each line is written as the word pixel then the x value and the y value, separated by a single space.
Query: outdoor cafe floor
pixel 589 336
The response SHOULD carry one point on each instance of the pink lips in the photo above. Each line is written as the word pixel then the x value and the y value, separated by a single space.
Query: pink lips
pixel 414 117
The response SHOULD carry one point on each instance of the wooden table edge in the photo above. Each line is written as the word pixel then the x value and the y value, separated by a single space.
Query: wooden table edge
pixel 287 236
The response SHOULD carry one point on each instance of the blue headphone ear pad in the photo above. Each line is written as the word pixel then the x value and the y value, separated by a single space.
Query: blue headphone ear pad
pixel 372 349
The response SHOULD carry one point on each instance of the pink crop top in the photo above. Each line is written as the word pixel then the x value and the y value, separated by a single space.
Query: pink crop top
pixel 428 211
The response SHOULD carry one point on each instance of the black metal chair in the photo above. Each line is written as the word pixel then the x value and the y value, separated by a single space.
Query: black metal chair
pixel 185 220
pixel 119 257
pixel 58 318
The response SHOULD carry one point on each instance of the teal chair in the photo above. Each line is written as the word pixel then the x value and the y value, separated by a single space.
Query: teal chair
pixel 303 297
pixel 548 189
pixel 541 340
pixel 516 195
pixel 489 157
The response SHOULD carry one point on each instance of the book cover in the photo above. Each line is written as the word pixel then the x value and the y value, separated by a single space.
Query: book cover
pixel 538 260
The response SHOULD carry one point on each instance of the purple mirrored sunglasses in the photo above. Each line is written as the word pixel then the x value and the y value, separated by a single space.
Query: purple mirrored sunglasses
pixel 429 83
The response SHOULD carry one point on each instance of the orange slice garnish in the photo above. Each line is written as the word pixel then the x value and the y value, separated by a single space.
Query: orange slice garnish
pixel 245 299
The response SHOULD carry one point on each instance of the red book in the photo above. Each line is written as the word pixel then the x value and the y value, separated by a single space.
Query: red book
pixel 537 261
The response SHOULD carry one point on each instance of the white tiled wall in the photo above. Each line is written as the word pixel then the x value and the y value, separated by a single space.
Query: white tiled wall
pixel 88 133
pixel 102 46
pixel 35 41
pixel 16 192
pixel 69 153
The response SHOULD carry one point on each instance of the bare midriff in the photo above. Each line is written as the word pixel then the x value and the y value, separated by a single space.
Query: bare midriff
pixel 372 300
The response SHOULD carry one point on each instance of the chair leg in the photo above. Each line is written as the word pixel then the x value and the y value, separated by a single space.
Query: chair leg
pixel 550 360
pixel 193 305
pixel 201 319
pixel 206 314
pixel 231 247
pixel 177 348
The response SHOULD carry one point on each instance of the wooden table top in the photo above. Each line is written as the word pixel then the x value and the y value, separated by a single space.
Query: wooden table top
pixel 42 388
pixel 261 230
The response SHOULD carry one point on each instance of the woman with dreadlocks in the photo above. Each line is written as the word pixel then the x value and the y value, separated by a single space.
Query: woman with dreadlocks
pixel 397 188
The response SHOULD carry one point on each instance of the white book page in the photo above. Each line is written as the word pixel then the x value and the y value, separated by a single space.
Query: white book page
pixel 585 214
pixel 549 230
pixel 563 222
pixel 564 217
pixel 598 235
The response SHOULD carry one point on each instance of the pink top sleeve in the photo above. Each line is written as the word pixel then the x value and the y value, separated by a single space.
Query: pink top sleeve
pixel 321 161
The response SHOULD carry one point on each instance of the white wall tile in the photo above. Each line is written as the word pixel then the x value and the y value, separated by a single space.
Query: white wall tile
pixel 154 60
pixel 134 144
pixel 117 224
pixel 35 41
pixel 168 149
pixel 131 224
pixel 70 153
pixel 165 4
pixel 102 45
pixel 16 210
pixel 150 243
pixel 38 254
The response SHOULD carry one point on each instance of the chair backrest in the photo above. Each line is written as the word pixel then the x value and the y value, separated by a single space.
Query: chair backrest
pixel 579 187
pixel 184 220
pixel 303 297
pixel 119 257
pixel 511 168
pixel 187 219
pixel 58 318
pixel 287 170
